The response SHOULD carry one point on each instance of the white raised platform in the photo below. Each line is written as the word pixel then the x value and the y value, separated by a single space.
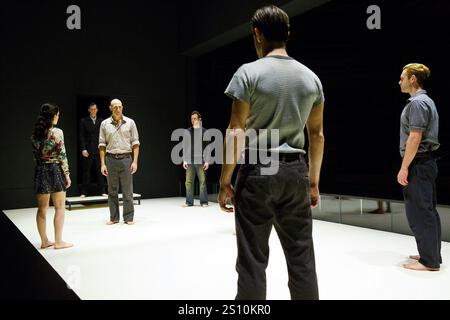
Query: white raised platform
pixel 189 253
pixel 95 199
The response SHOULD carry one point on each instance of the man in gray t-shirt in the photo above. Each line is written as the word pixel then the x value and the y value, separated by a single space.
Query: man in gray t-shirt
pixel 281 92
pixel 274 92
pixel 419 127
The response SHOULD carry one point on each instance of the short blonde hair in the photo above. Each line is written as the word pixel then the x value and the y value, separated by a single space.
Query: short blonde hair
pixel 421 71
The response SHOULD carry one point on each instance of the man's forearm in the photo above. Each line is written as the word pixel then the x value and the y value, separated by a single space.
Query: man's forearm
pixel 135 153
pixel 316 147
pixel 412 145
pixel 227 168
pixel 232 147
pixel 102 152
pixel 227 173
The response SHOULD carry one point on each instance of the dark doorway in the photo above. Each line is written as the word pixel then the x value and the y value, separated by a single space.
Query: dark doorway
pixel 83 102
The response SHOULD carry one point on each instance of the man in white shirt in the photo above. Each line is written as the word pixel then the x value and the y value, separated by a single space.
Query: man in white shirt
pixel 119 152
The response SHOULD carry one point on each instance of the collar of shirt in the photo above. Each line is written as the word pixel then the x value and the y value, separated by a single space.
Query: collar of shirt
pixel 113 122
pixel 421 91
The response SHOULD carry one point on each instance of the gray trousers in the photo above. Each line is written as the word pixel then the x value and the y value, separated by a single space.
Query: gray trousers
pixel 119 173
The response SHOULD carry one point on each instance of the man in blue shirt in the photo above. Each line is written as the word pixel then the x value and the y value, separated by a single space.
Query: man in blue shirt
pixel 419 126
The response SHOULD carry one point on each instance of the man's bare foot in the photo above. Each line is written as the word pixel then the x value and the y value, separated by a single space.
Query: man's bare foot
pixel 104 194
pixel 83 196
pixel 418 267
pixel 63 245
pixel 130 223
pixel 415 257
pixel 109 223
pixel 47 245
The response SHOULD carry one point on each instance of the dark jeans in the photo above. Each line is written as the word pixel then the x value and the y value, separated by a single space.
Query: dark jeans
pixel 92 161
pixel 191 172
pixel 119 173
pixel 281 200
pixel 420 206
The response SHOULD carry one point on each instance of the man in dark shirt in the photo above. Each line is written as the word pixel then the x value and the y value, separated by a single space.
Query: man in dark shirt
pixel 419 126
pixel 89 135
pixel 194 162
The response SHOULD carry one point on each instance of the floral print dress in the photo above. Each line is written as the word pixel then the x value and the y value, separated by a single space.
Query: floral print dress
pixel 51 162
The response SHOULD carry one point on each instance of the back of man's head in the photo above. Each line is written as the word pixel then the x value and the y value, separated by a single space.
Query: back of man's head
pixel 273 23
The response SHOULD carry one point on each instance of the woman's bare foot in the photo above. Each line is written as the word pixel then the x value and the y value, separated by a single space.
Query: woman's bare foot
pixel 63 245
pixel 47 244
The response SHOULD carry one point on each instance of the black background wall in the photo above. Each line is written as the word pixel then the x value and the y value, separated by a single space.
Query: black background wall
pixel 360 70
pixel 123 50
pixel 157 58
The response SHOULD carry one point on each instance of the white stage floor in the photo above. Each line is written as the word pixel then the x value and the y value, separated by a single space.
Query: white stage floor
pixel 175 253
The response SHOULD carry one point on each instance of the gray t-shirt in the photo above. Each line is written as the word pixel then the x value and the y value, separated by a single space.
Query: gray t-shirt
pixel 281 93
pixel 420 114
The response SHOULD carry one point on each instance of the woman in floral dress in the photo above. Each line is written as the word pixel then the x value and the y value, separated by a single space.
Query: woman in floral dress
pixel 52 176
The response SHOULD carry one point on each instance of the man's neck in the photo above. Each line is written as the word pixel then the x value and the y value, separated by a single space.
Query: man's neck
pixel 278 52
pixel 117 119
pixel 93 117
pixel 196 126
pixel 414 91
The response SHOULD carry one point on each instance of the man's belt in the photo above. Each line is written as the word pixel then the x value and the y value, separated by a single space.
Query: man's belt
pixel 119 155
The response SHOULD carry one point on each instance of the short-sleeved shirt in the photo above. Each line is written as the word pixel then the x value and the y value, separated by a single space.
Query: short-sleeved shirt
pixel 281 93
pixel 118 138
pixel 420 114
pixel 52 149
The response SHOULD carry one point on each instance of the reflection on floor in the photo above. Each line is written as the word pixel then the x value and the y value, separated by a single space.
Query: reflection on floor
pixel 189 253
pixel 357 212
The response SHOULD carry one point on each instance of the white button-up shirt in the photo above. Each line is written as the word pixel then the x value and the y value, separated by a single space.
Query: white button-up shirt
pixel 118 138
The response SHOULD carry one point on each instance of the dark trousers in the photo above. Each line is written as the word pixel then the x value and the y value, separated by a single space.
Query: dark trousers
pixel 281 200
pixel 119 174
pixel 420 206
pixel 92 161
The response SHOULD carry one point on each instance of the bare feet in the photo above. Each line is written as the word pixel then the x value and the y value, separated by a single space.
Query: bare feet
pixel 109 223
pixel 186 205
pixel 418 267
pixel 130 223
pixel 63 245
pixel 47 244
pixel 104 195
pixel 415 257
pixel 83 196
pixel 205 205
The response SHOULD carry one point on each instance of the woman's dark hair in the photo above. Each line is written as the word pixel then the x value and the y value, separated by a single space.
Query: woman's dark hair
pixel 273 23
pixel 44 120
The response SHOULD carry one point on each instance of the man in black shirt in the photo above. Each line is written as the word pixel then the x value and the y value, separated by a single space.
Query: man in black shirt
pixel 89 134
pixel 194 162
